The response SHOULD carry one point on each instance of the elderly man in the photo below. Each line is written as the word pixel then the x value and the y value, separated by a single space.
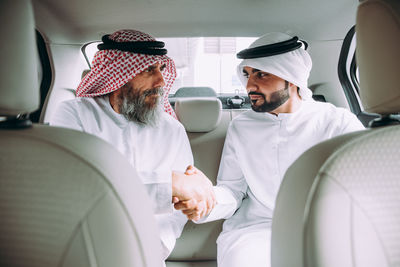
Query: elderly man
pixel 119 101
pixel 262 143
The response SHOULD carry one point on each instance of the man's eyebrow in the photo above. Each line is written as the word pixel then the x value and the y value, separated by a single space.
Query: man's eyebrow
pixel 255 70
pixel 244 71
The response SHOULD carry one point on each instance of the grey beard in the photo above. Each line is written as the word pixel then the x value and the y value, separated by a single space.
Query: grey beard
pixel 135 109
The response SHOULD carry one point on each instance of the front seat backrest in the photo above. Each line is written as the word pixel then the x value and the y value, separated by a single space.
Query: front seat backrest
pixel 339 203
pixel 66 198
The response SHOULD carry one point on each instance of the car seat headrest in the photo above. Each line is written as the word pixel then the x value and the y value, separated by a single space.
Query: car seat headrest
pixel 195 92
pixel 19 86
pixel 199 114
pixel 378 55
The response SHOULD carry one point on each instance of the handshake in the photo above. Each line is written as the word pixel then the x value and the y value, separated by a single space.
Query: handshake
pixel 192 193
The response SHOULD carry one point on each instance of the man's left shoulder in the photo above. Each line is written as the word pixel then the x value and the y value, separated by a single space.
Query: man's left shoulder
pixel 339 117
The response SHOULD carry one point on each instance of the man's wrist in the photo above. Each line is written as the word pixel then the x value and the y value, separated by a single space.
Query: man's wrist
pixel 175 183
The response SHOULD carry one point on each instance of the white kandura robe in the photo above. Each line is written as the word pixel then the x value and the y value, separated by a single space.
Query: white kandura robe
pixel 153 151
pixel 259 148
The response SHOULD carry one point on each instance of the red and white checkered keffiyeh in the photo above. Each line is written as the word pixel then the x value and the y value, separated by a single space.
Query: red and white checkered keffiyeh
pixel 111 68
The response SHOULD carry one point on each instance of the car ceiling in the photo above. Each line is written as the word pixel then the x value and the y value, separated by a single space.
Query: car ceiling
pixel 78 21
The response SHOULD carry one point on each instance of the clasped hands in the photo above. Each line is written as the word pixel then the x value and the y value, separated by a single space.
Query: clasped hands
pixel 192 193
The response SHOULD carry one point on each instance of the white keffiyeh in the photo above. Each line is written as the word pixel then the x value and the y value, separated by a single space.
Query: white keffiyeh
pixel 293 66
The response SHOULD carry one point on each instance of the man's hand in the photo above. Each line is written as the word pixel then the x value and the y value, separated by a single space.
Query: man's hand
pixel 193 209
pixel 192 193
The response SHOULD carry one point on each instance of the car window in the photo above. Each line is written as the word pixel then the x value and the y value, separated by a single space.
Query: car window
pixel 348 76
pixel 201 61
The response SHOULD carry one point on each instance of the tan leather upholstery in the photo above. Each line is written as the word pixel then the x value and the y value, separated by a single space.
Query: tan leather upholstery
pixel 192 264
pixel 70 199
pixel 195 91
pixel 66 198
pixel 18 95
pixel 207 147
pixel 378 55
pixel 292 204
pixel 199 114
pixel 197 245
pixel 339 203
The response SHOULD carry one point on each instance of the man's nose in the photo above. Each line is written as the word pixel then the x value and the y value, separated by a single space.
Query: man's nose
pixel 158 79
pixel 251 85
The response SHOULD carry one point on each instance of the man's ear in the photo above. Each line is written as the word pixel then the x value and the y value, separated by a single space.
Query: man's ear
pixel 298 91
pixel 294 89
pixel 113 98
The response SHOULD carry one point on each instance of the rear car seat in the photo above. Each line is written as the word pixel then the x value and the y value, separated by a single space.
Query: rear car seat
pixel 206 126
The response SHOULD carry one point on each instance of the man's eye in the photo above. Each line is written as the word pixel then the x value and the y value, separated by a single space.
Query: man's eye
pixel 149 69
pixel 245 74
pixel 261 74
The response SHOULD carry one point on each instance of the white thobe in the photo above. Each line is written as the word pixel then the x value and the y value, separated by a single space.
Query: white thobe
pixel 153 151
pixel 259 148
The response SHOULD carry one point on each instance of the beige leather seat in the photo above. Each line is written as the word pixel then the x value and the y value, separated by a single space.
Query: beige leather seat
pixel 206 126
pixel 195 91
pixel 66 198
pixel 339 203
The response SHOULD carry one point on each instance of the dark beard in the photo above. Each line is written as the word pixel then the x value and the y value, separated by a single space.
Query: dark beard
pixel 132 104
pixel 277 99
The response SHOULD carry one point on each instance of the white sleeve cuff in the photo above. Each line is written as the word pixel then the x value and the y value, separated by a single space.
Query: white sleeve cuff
pixel 159 188
pixel 225 208
pixel 161 197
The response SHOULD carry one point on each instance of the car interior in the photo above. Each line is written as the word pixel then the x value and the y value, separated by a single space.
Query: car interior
pixel 68 198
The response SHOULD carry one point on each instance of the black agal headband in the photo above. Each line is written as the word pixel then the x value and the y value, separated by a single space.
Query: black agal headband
pixel 140 47
pixel 272 49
